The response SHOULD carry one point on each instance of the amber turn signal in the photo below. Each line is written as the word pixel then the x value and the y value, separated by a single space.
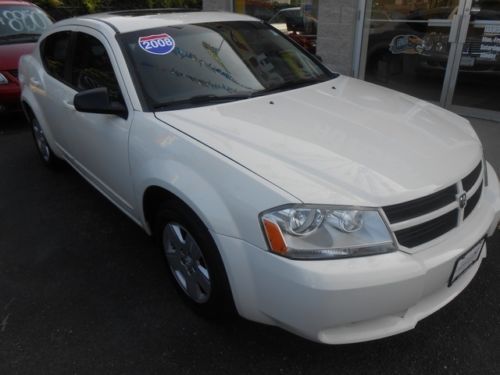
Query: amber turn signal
pixel 275 237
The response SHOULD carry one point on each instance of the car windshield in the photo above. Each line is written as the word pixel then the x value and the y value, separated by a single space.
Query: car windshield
pixel 22 23
pixel 283 15
pixel 197 64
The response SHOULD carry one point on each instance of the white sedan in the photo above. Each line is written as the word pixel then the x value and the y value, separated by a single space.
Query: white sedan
pixel 333 208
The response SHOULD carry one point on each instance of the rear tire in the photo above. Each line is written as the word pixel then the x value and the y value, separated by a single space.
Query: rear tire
pixel 44 150
pixel 193 260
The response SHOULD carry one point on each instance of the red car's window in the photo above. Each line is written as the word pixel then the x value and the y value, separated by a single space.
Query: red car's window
pixel 18 22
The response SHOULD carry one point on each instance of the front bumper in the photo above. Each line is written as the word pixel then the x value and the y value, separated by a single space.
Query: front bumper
pixel 358 299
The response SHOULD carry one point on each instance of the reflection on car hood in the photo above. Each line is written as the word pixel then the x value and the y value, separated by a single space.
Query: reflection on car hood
pixel 343 141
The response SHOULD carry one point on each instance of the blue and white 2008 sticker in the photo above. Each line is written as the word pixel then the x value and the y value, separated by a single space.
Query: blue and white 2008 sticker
pixel 160 44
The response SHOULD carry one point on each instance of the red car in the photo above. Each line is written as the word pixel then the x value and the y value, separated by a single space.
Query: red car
pixel 21 24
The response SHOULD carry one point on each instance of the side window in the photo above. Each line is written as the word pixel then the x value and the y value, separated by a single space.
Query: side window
pixel 54 53
pixel 92 67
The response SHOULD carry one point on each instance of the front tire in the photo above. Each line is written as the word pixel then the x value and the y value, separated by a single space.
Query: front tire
pixel 193 260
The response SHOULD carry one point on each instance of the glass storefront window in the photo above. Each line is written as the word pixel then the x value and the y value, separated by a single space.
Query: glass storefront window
pixel 478 80
pixel 296 18
pixel 406 44
pixel 446 51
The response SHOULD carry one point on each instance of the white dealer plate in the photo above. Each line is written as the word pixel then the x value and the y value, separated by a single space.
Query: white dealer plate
pixel 466 261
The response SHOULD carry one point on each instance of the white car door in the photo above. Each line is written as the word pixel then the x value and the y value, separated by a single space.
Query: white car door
pixel 51 87
pixel 98 143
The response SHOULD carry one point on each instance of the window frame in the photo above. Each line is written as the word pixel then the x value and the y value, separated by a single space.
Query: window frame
pixel 69 57
pixel 68 68
pixel 71 63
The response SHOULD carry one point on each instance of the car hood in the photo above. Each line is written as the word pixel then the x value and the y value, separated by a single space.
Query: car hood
pixel 11 53
pixel 344 141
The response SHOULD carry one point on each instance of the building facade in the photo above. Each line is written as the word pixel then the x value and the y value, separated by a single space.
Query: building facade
pixel 443 51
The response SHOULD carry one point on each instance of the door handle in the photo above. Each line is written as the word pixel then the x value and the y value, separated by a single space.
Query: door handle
pixel 69 104
pixel 35 82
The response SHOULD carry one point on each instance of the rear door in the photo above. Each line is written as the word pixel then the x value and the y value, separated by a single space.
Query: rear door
pixel 52 87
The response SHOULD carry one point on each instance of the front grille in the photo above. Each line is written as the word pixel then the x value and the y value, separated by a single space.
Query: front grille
pixel 469 181
pixel 421 206
pixel 472 202
pixel 417 231
pixel 422 233
pixel 14 72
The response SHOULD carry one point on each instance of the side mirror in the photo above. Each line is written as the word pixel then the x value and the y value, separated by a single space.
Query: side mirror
pixel 97 101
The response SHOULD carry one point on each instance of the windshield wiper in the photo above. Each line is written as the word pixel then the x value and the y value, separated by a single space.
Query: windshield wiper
pixel 208 99
pixel 201 100
pixel 287 86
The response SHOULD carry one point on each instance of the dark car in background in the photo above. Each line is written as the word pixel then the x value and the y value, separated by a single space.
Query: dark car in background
pixel 21 24
pixel 298 25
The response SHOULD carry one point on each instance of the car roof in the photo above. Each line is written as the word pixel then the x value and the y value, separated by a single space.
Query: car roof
pixel 15 2
pixel 134 20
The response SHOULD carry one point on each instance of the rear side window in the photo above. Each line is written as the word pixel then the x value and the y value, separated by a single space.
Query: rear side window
pixel 92 67
pixel 55 51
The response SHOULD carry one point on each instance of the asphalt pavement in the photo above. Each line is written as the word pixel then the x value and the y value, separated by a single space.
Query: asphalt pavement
pixel 83 290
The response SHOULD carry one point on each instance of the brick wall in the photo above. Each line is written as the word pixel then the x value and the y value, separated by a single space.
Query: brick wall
pixel 336 31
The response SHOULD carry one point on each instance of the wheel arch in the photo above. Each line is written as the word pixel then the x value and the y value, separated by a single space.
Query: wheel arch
pixel 152 198
pixel 160 179
pixel 28 112
pixel 158 192
pixel 32 110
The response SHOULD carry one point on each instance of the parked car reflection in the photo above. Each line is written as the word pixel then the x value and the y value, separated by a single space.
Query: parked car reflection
pixel 426 33
pixel 298 25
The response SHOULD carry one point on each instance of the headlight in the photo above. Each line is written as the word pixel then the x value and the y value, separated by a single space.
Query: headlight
pixel 326 232
pixel 3 79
